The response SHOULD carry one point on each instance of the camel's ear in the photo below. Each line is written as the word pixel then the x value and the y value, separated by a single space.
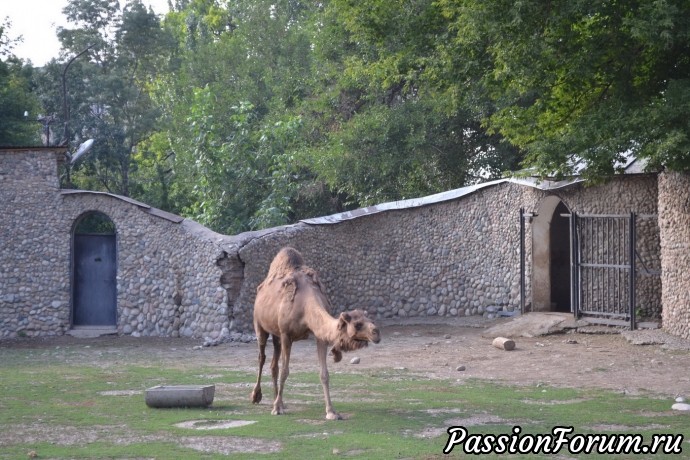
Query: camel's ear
pixel 344 319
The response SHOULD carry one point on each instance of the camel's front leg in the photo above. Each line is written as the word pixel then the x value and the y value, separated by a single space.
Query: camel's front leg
pixel 275 365
pixel 285 348
pixel 322 352
pixel 261 337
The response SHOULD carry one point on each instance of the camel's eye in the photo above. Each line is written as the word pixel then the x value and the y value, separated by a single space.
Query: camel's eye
pixel 358 326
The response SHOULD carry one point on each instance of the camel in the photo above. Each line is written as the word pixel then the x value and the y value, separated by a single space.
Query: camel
pixel 291 303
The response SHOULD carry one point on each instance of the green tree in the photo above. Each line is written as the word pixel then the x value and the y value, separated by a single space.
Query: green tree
pixel 395 130
pixel 337 111
pixel 256 113
pixel 106 63
pixel 19 106
pixel 577 80
pixel 231 100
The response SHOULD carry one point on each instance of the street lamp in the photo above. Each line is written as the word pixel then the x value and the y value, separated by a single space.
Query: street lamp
pixel 65 105
pixel 65 109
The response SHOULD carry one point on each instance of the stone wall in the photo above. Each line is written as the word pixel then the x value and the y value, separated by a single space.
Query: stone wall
pixel 674 224
pixel 168 277
pixel 34 281
pixel 455 258
pixel 626 194
pixel 176 278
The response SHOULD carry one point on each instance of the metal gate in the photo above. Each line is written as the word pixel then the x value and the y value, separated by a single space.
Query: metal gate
pixel 603 266
pixel 95 297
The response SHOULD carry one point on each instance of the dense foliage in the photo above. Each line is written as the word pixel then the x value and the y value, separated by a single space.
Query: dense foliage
pixel 18 103
pixel 578 79
pixel 245 114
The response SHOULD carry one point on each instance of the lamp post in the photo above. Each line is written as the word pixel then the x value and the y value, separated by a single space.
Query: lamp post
pixel 65 105
pixel 65 110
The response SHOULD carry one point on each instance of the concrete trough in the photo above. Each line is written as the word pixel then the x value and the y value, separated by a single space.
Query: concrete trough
pixel 166 396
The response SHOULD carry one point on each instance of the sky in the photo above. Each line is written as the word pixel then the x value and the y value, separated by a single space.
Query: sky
pixel 37 22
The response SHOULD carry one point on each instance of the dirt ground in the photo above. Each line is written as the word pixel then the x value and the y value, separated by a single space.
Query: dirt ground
pixel 436 348
pixel 457 349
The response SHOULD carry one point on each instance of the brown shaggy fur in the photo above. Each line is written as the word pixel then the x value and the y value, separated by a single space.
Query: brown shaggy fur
pixel 285 262
pixel 290 305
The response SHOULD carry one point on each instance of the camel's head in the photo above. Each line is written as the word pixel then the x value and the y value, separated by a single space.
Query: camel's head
pixel 355 331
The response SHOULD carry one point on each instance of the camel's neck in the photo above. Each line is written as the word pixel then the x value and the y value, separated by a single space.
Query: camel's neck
pixel 322 324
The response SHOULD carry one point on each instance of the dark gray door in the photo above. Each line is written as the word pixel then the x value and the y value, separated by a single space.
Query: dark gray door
pixel 94 281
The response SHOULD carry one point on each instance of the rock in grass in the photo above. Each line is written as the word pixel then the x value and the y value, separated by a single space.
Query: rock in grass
pixel 681 406
pixel 354 360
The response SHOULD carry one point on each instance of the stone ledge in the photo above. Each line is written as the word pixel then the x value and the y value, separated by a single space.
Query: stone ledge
pixel 88 332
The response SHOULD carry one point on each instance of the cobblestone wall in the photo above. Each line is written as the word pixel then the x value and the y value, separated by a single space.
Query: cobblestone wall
pixel 34 263
pixel 626 194
pixel 168 280
pixel 449 259
pixel 176 278
pixel 455 258
pixel 674 224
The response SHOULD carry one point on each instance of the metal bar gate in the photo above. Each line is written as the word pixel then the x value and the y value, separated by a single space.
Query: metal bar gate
pixel 603 266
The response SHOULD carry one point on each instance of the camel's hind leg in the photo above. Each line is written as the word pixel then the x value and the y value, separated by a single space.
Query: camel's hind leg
pixel 261 337
pixel 282 349
pixel 322 352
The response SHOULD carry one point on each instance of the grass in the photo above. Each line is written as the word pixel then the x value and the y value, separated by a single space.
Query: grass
pixel 61 408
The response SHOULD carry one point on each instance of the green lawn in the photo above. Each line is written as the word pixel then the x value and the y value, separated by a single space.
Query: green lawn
pixel 61 409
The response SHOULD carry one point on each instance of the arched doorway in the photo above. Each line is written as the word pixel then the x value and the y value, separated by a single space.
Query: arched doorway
pixel 551 257
pixel 560 259
pixel 94 296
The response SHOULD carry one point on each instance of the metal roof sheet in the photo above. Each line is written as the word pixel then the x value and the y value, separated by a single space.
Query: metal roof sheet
pixel 401 204
pixel 145 207
pixel 631 166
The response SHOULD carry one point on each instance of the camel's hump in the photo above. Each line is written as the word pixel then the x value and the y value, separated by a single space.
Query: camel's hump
pixel 286 261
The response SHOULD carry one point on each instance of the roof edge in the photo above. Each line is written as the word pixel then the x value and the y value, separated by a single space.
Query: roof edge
pixel 442 197
pixel 145 207
pixel 21 148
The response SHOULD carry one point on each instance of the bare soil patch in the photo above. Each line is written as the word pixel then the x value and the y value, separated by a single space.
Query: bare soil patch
pixel 432 347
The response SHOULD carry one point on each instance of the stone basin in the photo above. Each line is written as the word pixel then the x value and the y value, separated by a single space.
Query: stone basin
pixel 163 396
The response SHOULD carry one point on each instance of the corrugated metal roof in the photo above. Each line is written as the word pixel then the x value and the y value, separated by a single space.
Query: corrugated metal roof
pixel 631 166
pixel 401 204
pixel 145 207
